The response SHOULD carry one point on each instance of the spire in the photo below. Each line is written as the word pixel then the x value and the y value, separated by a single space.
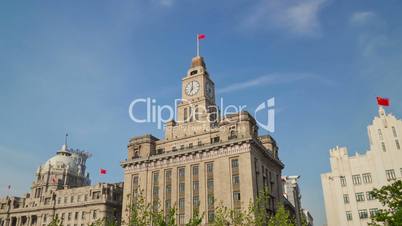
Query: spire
pixel 65 140
pixel 381 111
pixel 64 148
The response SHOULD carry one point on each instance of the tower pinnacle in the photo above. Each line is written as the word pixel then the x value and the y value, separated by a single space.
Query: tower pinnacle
pixel 198 61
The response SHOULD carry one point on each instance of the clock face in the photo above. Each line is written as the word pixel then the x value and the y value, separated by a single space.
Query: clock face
pixel 192 88
pixel 209 90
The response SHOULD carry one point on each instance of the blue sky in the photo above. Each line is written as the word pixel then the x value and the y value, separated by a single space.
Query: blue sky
pixel 75 66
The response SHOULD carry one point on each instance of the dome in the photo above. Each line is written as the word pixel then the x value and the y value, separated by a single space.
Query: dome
pixel 63 159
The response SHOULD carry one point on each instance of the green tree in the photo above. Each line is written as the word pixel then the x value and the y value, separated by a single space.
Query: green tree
pixel 56 222
pixel 256 214
pixel 196 219
pixel 258 210
pixel 281 218
pixel 143 213
pixel 225 216
pixel 390 196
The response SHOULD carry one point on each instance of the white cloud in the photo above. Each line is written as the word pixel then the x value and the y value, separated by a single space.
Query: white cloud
pixel 296 17
pixel 270 79
pixel 361 18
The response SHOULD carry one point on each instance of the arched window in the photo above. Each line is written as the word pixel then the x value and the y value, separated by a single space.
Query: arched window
pixel 196 112
pixel 185 114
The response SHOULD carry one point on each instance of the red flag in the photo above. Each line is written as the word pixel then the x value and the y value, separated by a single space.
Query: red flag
pixel 102 171
pixel 382 101
pixel 201 36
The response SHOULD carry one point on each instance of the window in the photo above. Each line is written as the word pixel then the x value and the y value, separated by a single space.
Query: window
pixel 363 214
pixel 79 198
pixel 181 172
pixel 215 140
pixel 65 199
pixel 94 214
pixel 369 196
pixel 72 199
pixel 356 179
pixel 181 187
pixel 76 216
pixel 383 147
pixel 211 216
pixel 168 188
pixel 210 200
pixel 85 197
pixel 62 216
pixel 159 151
pixel 379 134
pixel 69 216
pixel 342 178
pixel 96 195
pixel 181 218
pixel 167 204
pixel 195 170
pixel 235 163
pixel 196 113
pixel 367 178
pixel 373 212
pixel 394 131
pixel 182 147
pixel 346 198
pixel 349 215
pixel 190 145
pixel 390 174
pixel 199 143
pixel 235 179
pixel 181 203
pixel 193 72
pixel 155 191
pixel 83 215
pixel 156 177
pixel 190 114
pixel 360 196
pixel 398 146
pixel 196 201
pixel 195 186
pixel 210 167
pixel 58 200
pixel 210 184
pixel 236 196
pixel 185 114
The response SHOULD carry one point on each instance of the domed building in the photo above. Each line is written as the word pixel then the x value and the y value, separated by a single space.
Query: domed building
pixel 62 189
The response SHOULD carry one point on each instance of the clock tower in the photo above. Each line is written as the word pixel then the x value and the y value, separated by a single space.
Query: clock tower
pixel 198 95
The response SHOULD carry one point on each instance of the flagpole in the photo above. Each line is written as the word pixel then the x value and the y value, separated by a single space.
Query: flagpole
pixel 198 45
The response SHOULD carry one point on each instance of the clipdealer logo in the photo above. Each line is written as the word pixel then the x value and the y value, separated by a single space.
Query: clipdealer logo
pixel 264 114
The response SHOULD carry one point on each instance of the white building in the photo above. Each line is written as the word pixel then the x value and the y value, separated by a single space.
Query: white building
pixel 291 191
pixel 346 187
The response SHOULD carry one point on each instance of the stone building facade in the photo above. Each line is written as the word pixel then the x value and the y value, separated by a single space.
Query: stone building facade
pixel 62 189
pixel 203 159
pixel 346 188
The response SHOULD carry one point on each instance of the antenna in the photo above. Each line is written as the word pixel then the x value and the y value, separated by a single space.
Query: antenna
pixel 65 140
